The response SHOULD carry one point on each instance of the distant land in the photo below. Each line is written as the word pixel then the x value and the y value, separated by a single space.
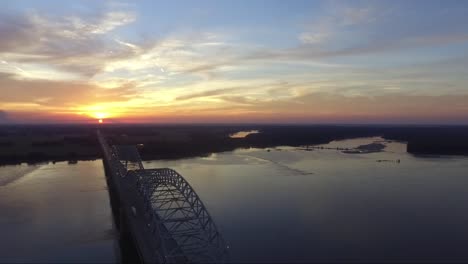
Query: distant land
pixel 38 143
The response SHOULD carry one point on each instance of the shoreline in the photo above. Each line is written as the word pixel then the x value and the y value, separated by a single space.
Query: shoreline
pixel 49 144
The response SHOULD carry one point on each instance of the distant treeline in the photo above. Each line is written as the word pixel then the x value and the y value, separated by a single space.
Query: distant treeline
pixel 447 140
pixel 48 143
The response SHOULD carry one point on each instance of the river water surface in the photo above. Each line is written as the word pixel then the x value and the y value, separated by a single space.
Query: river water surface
pixel 56 213
pixel 282 204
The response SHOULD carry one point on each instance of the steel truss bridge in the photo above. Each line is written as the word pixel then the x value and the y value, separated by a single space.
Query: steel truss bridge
pixel 161 212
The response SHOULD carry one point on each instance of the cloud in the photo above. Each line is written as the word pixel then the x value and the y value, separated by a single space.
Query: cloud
pixel 188 53
pixel 305 52
pixel 314 38
pixel 74 44
pixel 111 21
pixel 208 93
pixel 326 107
pixel 59 95
pixel 239 99
pixel 354 16
pixel 322 107
pixel 80 47
pixel 15 32
pixel 336 19
pixel 83 63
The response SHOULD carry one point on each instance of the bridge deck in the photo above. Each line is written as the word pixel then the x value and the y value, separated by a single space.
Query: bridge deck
pixel 167 220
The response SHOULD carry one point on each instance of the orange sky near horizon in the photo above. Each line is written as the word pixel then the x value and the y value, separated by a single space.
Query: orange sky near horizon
pixel 327 62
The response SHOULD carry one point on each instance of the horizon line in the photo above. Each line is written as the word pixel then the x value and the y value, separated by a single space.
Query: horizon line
pixel 228 124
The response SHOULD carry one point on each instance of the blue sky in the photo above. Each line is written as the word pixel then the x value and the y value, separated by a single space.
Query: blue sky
pixel 234 61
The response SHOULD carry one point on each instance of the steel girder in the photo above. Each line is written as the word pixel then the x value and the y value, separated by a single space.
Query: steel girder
pixel 175 213
pixel 180 216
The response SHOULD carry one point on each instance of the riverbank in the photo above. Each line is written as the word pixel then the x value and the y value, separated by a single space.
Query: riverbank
pixel 32 144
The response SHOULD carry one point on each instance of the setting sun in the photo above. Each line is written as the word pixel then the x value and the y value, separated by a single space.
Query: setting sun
pixel 100 121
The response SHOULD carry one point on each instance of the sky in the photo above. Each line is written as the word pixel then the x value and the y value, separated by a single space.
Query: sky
pixel 313 62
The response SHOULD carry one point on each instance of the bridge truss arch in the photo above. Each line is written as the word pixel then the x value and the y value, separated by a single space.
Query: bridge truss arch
pixel 179 217
pixel 174 213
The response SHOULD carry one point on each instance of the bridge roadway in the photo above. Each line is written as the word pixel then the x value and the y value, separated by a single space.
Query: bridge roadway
pixel 157 208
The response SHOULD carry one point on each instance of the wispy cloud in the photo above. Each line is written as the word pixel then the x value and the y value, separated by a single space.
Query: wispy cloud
pixel 60 94
pixel 335 20
pixel 209 93
pixel 74 44
pixel 343 61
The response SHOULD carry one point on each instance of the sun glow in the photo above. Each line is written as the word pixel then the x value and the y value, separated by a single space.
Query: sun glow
pixel 100 115
pixel 99 111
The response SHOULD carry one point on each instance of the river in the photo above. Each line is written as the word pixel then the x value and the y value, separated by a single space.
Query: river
pixel 56 213
pixel 281 204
